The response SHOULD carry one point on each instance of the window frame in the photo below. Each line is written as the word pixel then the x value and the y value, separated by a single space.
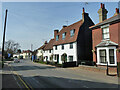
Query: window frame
pixel 62 47
pixel 57 37
pixel 63 35
pixel 70 45
pixel 72 33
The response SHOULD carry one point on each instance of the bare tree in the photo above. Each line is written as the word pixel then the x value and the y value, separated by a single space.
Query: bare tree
pixel 11 46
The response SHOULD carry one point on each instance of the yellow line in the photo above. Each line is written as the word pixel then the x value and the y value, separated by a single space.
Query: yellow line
pixel 21 79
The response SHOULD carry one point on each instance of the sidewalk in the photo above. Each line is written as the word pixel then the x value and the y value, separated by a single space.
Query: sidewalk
pixel 9 80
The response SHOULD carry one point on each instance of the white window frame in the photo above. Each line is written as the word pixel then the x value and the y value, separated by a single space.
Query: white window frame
pixel 105 26
pixel 107 56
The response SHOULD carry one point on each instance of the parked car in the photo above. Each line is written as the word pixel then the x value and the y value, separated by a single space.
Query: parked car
pixel 16 60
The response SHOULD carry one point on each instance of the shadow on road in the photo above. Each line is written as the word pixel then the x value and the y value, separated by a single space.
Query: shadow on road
pixel 45 83
pixel 60 82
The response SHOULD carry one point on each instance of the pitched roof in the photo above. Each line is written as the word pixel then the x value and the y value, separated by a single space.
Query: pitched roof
pixel 68 38
pixel 42 47
pixel 112 19
pixel 106 43
pixel 49 46
pixel 27 51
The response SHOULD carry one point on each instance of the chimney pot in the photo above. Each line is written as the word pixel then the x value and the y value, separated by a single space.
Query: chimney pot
pixel 101 5
pixel 83 10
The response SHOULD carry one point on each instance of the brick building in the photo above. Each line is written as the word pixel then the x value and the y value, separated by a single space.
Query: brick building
pixel 106 38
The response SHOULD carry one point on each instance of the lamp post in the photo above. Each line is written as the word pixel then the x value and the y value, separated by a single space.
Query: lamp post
pixel 4 38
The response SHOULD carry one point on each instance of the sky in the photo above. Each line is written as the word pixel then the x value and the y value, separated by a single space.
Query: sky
pixel 34 22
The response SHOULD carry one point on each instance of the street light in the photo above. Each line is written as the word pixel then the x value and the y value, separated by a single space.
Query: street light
pixel 4 38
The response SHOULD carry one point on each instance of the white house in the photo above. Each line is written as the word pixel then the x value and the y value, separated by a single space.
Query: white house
pixel 40 51
pixel 26 54
pixel 74 42
pixel 48 51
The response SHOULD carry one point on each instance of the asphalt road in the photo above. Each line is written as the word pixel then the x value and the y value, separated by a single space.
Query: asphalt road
pixel 46 76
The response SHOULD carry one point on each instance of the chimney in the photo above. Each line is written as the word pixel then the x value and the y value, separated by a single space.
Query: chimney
pixel 45 42
pixel 102 13
pixel 64 26
pixel 55 33
pixel 84 15
pixel 117 11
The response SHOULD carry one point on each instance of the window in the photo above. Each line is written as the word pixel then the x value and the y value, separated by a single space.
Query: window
pixel 105 33
pixel 72 32
pixel 62 47
pixel 63 36
pixel 55 57
pixel 71 45
pixel 49 51
pixel 55 47
pixel 57 37
pixel 111 56
pixel 70 58
pixel 102 56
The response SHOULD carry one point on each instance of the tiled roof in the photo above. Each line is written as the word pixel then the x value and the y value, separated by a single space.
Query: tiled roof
pixel 107 21
pixel 68 38
pixel 49 46
pixel 27 51
pixel 42 47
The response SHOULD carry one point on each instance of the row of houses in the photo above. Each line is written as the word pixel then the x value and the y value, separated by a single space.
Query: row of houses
pixel 25 54
pixel 83 41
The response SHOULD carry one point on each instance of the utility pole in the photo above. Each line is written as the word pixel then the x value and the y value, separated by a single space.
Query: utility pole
pixel 4 38
pixel 31 47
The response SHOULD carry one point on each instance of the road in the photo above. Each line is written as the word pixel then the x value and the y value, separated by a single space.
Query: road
pixel 38 75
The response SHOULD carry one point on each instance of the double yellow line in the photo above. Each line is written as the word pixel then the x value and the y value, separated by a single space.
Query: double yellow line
pixel 24 83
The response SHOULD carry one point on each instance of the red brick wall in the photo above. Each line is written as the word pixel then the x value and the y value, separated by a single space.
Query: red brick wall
pixel 114 36
pixel 96 37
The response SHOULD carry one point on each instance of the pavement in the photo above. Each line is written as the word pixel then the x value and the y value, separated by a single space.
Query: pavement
pixel 36 75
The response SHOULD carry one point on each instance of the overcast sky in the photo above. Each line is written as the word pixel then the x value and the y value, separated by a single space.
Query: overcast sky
pixel 34 22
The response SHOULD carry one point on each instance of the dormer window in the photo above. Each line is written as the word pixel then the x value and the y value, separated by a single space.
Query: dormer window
pixel 72 32
pixel 57 37
pixel 105 33
pixel 63 35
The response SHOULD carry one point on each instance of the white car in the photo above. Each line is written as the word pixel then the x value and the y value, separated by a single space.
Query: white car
pixel 16 60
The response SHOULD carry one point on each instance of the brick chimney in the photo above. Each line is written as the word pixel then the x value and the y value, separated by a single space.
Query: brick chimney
pixel 102 13
pixel 116 11
pixel 55 33
pixel 45 42
pixel 84 15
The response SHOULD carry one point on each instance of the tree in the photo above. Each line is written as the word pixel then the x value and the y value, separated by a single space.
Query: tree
pixel 11 46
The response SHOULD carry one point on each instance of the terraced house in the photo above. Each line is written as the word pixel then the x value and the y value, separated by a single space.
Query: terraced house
pixel 40 51
pixel 106 39
pixel 74 42
pixel 48 51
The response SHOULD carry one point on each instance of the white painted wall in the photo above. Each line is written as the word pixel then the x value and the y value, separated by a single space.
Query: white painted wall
pixel 107 55
pixel 16 55
pixel 67 50
pixel 39 53
pixel 46 53
pixel 26 55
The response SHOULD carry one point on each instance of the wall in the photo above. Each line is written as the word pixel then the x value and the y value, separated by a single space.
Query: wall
pixel 46 53
pixel 84 41
pixel 67 50
pixel 96 39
